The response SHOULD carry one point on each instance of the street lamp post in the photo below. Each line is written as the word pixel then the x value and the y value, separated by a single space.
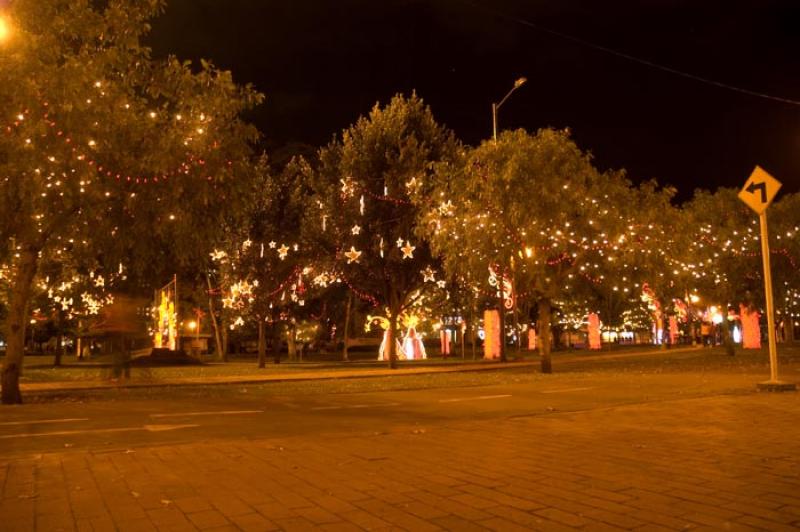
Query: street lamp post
pixel 501 300
pixel 495 106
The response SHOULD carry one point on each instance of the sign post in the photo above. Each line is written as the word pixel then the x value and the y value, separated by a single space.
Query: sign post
pixel 758 192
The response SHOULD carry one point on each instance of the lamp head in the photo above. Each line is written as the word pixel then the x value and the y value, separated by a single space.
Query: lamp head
pixel 520 82
pixel 5 29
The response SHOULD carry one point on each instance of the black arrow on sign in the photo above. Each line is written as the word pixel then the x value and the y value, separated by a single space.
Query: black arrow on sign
pixel 758 186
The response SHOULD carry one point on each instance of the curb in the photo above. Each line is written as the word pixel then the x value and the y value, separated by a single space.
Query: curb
pixel 79 386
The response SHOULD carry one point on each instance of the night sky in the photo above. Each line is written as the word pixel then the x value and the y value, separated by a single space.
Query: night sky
pixel 323 63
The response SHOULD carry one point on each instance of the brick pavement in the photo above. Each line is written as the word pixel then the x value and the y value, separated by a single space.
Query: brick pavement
pixel 715 463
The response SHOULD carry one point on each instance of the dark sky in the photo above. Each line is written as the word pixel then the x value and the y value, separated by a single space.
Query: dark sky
pixel 322 63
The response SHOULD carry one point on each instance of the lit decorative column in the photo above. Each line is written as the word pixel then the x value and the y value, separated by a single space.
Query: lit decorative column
pixel 491 329
pixel 594 331
pixel 751 330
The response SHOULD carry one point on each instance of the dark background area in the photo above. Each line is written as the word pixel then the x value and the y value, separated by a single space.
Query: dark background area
pixel 323 63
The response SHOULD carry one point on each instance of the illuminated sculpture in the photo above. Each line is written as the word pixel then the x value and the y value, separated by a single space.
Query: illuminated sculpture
pixel 445 336
pixel 506 286
pixel 166 329
pixel 673 330
pixel 649 297
pixel 383 323
pixel 413 347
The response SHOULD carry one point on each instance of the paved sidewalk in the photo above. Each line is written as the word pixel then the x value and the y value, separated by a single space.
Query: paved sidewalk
pixel 319 374
pixel 715 463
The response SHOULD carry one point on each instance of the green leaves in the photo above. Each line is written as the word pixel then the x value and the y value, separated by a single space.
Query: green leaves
pixel 364 188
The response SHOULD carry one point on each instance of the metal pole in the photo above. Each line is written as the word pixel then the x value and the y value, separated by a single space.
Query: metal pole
pixel 494 122
pixel 773 352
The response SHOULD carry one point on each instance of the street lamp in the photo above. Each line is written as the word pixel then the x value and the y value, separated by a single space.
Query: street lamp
pixel 5 29
pixel 495 106
pixel 501 300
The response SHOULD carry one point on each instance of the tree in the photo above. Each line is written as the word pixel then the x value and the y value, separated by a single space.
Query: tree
pixel 366 219
pixel 725 256
pixel 108 153
pixel 532 206
pixel 263 265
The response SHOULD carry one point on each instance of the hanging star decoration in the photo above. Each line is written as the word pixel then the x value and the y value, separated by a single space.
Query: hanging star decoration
pixel 361 205
pixel 356 230
pixel 272 245
pixel 399 242
pixel 408 250
pixel 218 255
pixel 347 186
pixel 427 275
pixel 381 247
pixel 283 251
pixel 246 244
pixel 352 255
pixel 441 283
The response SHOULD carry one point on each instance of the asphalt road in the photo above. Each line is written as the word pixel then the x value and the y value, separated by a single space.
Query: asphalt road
pixel 257 412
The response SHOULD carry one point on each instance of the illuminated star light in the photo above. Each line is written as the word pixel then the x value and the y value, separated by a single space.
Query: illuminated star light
pixel 352 255
pixel 272 245
pixel 408 250
pixel 356 230
pixel 428 275
pixel 283 251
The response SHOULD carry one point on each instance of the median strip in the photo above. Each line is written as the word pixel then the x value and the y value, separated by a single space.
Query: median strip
pixel 148 428
pixel 212 413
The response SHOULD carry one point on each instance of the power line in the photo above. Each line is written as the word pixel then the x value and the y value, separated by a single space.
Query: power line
pixel 635 59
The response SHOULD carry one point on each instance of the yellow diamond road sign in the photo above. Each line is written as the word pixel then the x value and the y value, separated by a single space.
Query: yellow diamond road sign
pixel 759 190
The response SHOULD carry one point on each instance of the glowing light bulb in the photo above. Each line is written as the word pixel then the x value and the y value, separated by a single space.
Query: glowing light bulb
pixel 5 29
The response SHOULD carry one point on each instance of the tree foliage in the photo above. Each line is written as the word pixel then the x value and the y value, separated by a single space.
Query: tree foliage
pixel 366 218
pixel 109 155
pixel 534 207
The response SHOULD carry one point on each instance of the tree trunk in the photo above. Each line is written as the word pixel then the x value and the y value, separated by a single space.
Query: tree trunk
pixel 517 334
pixel 345 355
pixel 473 330
pixel 291 344
pixel 788 329
pixel 390 339
pixel 59 349
pixel 59 338
pixel 727 341
pixel 224 349
pixel 544 335
pixel 275 340
pixel 262 345
pixel 15 325
pixel 221 355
